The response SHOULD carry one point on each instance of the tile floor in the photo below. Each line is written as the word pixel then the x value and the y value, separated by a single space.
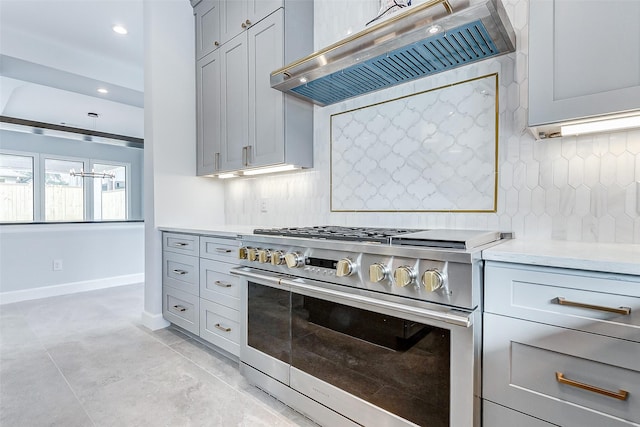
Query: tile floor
pixel 86 360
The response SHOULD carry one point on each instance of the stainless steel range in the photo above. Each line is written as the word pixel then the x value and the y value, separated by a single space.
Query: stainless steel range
pixel 362 326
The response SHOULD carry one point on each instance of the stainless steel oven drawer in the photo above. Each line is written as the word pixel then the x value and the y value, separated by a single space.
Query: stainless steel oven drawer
pixel 181 308
pixel 564 376
pixel 185 244
pixel 181 272
pixel 218 285
pixel 219 249
pixel 220 325
pixel 600 303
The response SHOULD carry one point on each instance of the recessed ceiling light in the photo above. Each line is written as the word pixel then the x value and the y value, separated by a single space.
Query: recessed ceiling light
pixel 103 90
pixel 119 29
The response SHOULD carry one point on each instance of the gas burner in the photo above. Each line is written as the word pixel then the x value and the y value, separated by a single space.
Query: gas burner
pixel 334 232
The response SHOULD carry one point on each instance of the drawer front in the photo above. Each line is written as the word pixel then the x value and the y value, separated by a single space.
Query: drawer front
pixel 218 285
pixel 185 244
pixel 216 248
pixel 604 304
pixel 538 369
pixel 220 326
pixel 181 308
pixel 494 415
pixel 181 272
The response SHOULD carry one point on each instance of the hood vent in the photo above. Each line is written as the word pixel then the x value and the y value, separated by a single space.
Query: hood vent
pixel 398 50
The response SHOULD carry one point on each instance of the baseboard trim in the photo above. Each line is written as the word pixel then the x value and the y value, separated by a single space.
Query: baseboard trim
pixel 154 321
pixel 69 288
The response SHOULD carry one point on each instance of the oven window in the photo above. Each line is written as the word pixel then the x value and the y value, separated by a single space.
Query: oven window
pixel 398 365
pixel 268 322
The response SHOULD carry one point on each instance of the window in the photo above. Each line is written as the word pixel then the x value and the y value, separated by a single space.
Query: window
pixel 40 187
pixel 110 192
pixel 16 188
pixel 64 194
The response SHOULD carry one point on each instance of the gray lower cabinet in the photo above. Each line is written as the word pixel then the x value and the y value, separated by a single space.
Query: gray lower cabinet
pixel 498 415
pixel 199 293
pixel 561 346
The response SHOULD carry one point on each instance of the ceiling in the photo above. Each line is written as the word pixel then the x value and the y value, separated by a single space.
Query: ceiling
pixel 55 54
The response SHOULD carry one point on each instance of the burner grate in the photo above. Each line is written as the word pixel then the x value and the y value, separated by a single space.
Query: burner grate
pixel 333 232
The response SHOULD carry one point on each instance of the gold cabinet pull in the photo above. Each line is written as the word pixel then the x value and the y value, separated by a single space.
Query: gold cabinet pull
pixel 216 161
pixel 180 272
pixel 620 310
pixel 222 328
pixel 179 308
pixel 620 394
pixel 222 284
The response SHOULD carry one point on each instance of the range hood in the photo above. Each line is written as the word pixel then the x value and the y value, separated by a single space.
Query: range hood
pixel 418 41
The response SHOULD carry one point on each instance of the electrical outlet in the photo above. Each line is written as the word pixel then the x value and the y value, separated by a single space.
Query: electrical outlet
pixel 57 265
pixel 264 205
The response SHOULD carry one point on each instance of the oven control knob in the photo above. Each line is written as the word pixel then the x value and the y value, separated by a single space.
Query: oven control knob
pixel 378 272
pixel 432 280
pixel 404 276
pixel 345 267
pixel 243 253
pixel 277 257
pixel 294 260
pixel 264 256
pixel 252 254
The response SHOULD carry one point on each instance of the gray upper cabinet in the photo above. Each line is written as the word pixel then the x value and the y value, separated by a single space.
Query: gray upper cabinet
pixel 207 14
pixel 242 122
pixel 208 114
pixel 584 59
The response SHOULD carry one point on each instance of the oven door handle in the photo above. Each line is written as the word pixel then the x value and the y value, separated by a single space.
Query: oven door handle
pixel 457 318
pixel 374 304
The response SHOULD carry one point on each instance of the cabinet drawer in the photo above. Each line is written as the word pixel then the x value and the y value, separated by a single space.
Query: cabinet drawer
pixel 494 415
pixel 180 243
pixel 219 249
pixel 521 361
pixel 601 303
pixel 218 285
pixel 181 308
pixel 181 272
pixel 220 325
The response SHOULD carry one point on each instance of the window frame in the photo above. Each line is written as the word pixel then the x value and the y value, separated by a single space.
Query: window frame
pixel 39 186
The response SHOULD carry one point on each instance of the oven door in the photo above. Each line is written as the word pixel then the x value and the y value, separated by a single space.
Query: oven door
pixel 376 359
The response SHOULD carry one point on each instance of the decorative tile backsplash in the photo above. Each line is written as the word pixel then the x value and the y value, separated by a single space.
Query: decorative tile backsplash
pixel 430 151
pixel 584 188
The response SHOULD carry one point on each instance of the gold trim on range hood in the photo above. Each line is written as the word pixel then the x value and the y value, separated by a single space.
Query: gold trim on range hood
pixel 401 44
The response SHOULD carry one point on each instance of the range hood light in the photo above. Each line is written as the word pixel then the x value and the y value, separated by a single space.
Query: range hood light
pixel 227 175
pixel 434 29
pixel 270 169
pixel 303 79
pixel 602 125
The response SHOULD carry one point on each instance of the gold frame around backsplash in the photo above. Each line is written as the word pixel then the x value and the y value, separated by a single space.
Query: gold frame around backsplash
pixel 495 190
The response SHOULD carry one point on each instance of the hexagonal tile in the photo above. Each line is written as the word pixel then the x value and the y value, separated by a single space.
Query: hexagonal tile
pixel 505 175
pixel 567 200
pixel 538 201
pixel 524 200
pixel 560 172
pixel 624 168
pixel 617 143
pixel 598 201
pixel 624 229
pixel 606 229
pixel 533 174
pixel 632 199
pixel 576 172
pixel 582 205
pixel 592 171
pixel 616 199
pixel 589 232
pixel 519 175
pixel 552 201
pixel 568 148
pixel 585 148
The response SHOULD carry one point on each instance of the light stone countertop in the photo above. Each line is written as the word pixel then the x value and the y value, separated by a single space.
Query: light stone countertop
pixel 218 230
pixel 606 257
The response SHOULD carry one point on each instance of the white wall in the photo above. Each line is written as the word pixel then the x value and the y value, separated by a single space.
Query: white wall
pixel 180 199
pixel 93 256
pixel 575 188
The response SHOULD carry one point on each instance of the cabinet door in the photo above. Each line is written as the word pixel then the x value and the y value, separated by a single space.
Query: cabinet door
pixel 233 17
pixel 584 58
pixel 259 9
pixel 207 14
pixel 266 118
pixel 208 114
pixel 234 102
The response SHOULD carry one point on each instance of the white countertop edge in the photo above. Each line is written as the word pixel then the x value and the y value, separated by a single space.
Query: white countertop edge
pixel 605 257
pixel 232 231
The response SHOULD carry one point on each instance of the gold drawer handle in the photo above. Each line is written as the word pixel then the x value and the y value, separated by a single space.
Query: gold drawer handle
pixel 620 394
pixel 180 272
pixel 223 250
pixel 222 328
pixel 222 284
pixel 179 308
pixel 621 310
